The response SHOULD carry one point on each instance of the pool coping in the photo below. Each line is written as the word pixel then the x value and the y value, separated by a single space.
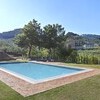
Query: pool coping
pixel 27 88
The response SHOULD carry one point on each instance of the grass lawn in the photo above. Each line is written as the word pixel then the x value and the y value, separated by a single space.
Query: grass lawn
pixel 87 89
pixel 84 65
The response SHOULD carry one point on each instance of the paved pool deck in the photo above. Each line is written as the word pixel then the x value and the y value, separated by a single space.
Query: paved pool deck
pixel 26 89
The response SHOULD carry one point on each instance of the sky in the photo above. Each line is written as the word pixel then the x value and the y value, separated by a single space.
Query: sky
pixel 78 16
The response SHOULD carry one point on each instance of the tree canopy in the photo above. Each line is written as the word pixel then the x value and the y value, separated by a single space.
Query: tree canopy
pixel 53 34
pixel 30 36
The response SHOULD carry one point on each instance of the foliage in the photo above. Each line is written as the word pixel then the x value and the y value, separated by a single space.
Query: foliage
pixel 89 56
pixel 9 46
pixel 85 57
pixel 36 52
pixel 63 52
pixel 30 36
pixel 72 57
pixel 52 35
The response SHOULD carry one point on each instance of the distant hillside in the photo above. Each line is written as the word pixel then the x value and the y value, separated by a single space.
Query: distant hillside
pixel 91 38
pixel 10 34
pixel 84 37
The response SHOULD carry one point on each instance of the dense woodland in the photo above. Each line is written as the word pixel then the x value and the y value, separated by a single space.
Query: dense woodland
pixel 48 43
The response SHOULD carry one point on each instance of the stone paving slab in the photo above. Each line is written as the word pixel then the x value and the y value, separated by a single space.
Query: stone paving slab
pixel 26 89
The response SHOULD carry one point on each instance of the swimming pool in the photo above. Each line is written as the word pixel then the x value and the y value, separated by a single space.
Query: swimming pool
pixel 34 72
pixel 35 77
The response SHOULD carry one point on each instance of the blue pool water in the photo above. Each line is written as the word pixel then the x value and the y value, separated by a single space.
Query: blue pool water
pixel 38 71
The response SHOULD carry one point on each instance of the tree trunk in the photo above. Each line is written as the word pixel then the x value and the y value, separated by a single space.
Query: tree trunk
pixel 50 54
pixel 29 51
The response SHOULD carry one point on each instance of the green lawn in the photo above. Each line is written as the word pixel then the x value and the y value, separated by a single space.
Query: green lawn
pixel 84 65
pixel 87 89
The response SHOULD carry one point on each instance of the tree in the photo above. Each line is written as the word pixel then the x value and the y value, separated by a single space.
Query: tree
pixel 63 51
pixel 52 36
pixel 30 36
